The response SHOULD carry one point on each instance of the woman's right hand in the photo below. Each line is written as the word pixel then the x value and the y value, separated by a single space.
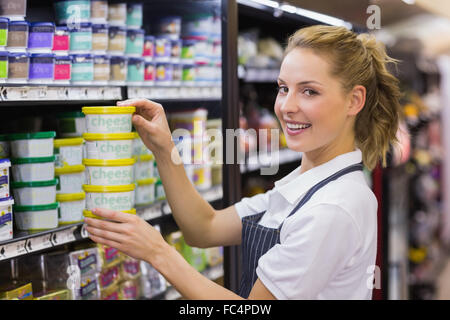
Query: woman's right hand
pixel 151 124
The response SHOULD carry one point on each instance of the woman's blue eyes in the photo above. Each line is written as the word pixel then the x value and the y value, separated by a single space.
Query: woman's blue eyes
pixel 285 90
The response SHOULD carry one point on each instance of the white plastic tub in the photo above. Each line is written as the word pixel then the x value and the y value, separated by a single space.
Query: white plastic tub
pixel 68 152
pixel 71 124
pixel 109 172
pixel 108 119
pixel 6 218
pixel 36 217
pixel 33 169
pixel 35 192
pixel 71 179
pixel 110 197
pixel 32 145
pixel 144 167
pixel 145 191
pixel 71 207
pixel 109 146
pixel 4 178
pixel 139 147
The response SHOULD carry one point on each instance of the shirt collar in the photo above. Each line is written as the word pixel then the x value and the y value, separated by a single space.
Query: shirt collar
pixel 295 185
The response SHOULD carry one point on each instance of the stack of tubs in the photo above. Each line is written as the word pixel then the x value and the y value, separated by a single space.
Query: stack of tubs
pixel 34 185
pixel 6 200
pixel 108 159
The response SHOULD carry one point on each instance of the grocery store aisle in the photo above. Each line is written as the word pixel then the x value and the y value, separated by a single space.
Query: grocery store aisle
pixel 443 292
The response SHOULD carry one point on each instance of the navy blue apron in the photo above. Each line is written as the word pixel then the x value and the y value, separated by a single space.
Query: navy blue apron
pixel 257 240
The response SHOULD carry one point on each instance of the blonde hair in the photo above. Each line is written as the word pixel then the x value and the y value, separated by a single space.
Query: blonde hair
pixel 360 60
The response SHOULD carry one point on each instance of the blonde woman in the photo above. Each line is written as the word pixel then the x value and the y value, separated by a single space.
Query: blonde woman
pixel 314 235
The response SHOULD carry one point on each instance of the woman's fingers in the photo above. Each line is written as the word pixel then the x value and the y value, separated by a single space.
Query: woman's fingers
pixel 113 215
pixel 108 235
pixel 106 242
pixel 147 108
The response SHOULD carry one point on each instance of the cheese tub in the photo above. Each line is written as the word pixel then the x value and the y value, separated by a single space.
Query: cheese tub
pixel 71 124
pixel 145 191
pixel 35 192
pixel 33 169
pixel 108 119
pixel 71 179
pixel 109 172
pixel 32 145
pixel 144 167
pixel 139 147
pixel 36 217
pixel 71 206
pixel 6 227
pixel 109 197
pixel 68 152
pixel 89 214
pixel 109 146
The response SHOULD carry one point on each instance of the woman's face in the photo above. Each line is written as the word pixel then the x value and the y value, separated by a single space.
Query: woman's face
pixel 311 104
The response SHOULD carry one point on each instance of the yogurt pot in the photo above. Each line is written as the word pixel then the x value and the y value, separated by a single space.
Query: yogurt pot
pixel 89 214
pixel 135 42
pixel 108 119
pixel 35 192
pixel 143 169
pixel 102 69
pixel 6 218
pixel 109 197
pixel 5 150
pixel 99 11
pixel 82 68
pixel 136 68
pixel 61 40
pixel 134 15
pixel 71 179
pixel 18 67
pixel 4 55
pixel 13 9
pixel 33 169
pixel 68 151
pixel 163 49
pixel 71 124
pixel 42 67
pixel 117 13
pixel 99 38
pixel 39 217
pixel 71 207
pixel 32 145
pixel 63 69
pixel 18 36
pixel 145 191
pixel 117 40
pixel 109 146
pixel 109 172
pixel 4 178
pixel 118 69
pixel 81 38
pixel 3 32
pixel 149 48
pixel 40 38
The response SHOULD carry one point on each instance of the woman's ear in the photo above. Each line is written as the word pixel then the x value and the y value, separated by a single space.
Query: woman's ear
pixel 357 100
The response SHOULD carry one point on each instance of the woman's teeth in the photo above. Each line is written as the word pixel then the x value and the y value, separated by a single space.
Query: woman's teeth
pixel 296 126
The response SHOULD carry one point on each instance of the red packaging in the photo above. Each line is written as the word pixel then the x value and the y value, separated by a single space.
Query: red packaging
pixel 149 72
pixel 63 66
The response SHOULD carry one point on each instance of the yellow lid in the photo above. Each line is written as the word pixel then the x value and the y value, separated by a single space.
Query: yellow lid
pixel 69 169
pixel 124 188
pixel 109 163
pixel 146 181
pixel 108 110
pixel 108 136
pixel 136 135
pixel 67 142
pixel 144 157
pixel 65 197
pixel 89 214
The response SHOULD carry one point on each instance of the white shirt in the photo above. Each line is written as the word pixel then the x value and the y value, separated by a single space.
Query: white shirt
pixel 328 247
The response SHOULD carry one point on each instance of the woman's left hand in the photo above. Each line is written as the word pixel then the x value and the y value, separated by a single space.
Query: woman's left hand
pixel 126 232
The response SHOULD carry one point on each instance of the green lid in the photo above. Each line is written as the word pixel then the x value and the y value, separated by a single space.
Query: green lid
pixel 32 135
pixel 41 207
pixel 33 160
pixel 34 184
pixel 70 114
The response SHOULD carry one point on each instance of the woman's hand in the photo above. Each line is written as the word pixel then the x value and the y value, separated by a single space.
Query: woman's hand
pixel 151 123
pixel 128 233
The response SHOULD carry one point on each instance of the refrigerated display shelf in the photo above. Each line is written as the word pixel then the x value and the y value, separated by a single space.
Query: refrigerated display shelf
pixel 264 160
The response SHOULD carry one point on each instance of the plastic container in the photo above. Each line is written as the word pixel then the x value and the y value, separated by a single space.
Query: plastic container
pixel 61 40
pixel 188 74
pixel 4 178
pixel 71 124
pixel 149 48
pixel 6 218
pixel 39 217
pixel 134 15
pixel 71 179
pixel 18 36
pixel 109 172
pixel 89 214
pixel 177 75
pixel 68 151
pixel 40 38
pixel 109 197
pixel 102 68
pixel 80 38
pixel 99 38
pixel 29 145
pixel 3 32
pixel 150 72
pixel 145 191
pixel 164 73
pixel 136 70
pixel 119 69
pixel 117 40
pixel 3 66
pixel 188 51
pixel 33 169
pixel 35 192
pixel 163 49
pixel 135 42
pixel 198 26
pixel 18 67
pixel 117 14
pixel 62 69
pixel 108 146
pixel 194 121
pixel 175 50
pixel 143 169
pixel 82 69
pixel 110 119
pixel 5 149
pixel 72 11
pixel 169 26
pixel 71 207
pixel 99 11
pixel 139 147
pixel 13 9
pixel 42 67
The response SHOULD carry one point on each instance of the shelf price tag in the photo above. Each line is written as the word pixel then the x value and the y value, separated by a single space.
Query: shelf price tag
pixel 38 243
pixel 63 236
pixel 13 249
pixel 84 233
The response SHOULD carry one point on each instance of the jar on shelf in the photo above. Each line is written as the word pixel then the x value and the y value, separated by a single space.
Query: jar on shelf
pixel 40 38
pixel 135 42
pixel 61 40
pixel 62 70
pixel 149 48
pixel 175 50
pixel 119 69
pixel 101 68
pixel 99 38
pixel 149 72
pixel 134 15
pixel 117 14
pixel 80 38
pixel 13 9
pixel 82 69
pixel 17 35
pixel 72 12
pixel 164 73
pixel 163 49
pixel 18 67
pixel 99 11
pixel 117 40
pixel 136 68
pixel 41 67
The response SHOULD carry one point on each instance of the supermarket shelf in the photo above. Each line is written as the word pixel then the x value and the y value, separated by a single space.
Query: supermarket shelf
pixel 258 74
pixel 260 161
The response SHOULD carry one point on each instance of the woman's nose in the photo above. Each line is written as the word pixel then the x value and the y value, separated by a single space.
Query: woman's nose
pixel 289 104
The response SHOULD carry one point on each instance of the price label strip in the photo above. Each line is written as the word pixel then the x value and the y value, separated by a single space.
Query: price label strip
pixel 38 243
pixel 11 250
pixel 63 236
